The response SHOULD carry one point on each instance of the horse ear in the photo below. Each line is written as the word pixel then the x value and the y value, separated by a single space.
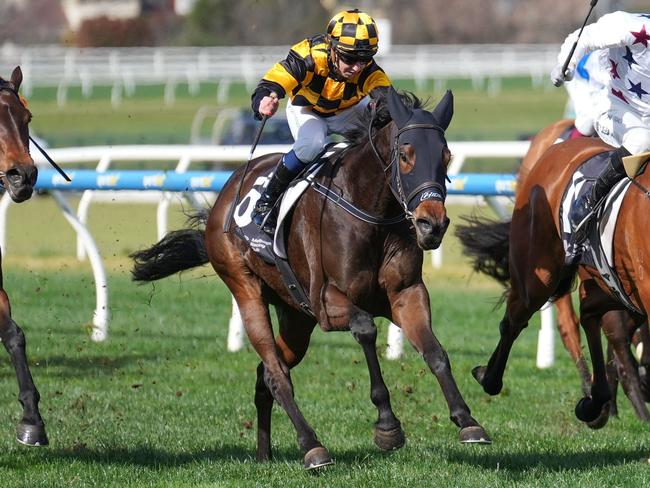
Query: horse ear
pixel 399 112
pixel 17 78
pixel 444 111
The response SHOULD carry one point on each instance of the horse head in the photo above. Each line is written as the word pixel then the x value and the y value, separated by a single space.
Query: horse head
pixel 419 159
pixel 17 170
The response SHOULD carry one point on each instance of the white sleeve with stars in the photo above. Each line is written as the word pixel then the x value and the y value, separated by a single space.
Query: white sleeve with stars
pixel 611 30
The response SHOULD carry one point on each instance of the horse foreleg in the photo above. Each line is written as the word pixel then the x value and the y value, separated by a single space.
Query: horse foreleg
pixel 569 328
pixel 31 429
pixel 593 409
pixel 618 326
pixel 411 311
pixel 274 373
pixel 535 263
pixel 388 429
pixel 490 377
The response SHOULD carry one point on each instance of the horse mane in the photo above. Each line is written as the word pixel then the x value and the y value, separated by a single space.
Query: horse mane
pixel 359 132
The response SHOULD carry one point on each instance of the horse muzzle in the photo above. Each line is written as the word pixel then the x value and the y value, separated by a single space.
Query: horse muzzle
pixel 19 182
pixel 430 226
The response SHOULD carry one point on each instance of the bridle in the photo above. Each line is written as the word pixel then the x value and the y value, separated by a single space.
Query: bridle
pixel 8 86
pixel 439 191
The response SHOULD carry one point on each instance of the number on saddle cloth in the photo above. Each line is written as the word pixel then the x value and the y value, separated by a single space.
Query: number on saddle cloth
pixel 259 241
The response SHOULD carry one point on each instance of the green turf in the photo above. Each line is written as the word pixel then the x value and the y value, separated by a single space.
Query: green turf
pixel 162 403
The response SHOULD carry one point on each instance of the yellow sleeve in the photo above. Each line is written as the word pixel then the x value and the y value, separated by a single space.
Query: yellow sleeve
pixel 290 72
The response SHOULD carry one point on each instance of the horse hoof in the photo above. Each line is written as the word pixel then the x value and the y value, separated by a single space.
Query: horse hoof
pixel 479 374
pixel 474 435
pixel 318 457
pixel 389 440
pixel 601 420
pixel 588 411
pixel 31 435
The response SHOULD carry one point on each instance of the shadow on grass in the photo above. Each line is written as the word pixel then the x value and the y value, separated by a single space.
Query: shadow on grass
pixel 519 463
pixel 70 367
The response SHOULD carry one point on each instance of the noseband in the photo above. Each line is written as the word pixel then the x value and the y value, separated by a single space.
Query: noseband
pixel 440 192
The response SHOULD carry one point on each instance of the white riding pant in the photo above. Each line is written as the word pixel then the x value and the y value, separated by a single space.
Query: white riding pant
pixel 619 125
pixel 311 131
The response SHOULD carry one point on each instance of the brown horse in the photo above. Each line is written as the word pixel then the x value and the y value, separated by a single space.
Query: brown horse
pixel 533 266
pixel 619 334
pixel 18 176
pixel 351 270
pixel 567 320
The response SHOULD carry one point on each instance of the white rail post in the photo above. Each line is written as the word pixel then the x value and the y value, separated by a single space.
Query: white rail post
pixel 5 201
pixel 101 315
pixel 395 342
pixel 546 338
pixel 235 329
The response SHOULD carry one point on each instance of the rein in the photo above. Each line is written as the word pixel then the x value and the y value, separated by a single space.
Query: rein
pixel 399 194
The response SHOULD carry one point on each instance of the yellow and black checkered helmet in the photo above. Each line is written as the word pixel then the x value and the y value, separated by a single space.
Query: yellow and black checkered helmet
pixel 353 33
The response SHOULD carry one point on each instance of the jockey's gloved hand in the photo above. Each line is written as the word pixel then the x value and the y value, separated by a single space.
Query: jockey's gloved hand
pixel 558 77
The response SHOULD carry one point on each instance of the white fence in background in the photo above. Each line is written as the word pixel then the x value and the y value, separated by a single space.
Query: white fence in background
pixel 184 156
pixel 125 68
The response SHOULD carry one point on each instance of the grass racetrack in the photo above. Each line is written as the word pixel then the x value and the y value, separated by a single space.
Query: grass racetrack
pixel 162 403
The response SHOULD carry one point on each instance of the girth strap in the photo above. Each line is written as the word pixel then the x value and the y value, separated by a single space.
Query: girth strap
pixel 293 285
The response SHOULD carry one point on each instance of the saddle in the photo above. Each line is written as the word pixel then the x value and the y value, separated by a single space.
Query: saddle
pixel 273 249
pixel 599 246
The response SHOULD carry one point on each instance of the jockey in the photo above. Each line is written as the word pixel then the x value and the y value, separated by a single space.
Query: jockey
pixel 622 107
pixel 327 78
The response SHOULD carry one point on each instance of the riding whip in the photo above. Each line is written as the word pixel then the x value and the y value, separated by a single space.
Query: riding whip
pixel 50 160
pixel 258 134
pixel 575 44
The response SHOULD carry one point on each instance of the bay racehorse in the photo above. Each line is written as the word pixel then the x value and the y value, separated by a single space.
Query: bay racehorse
pixel 351 269
pixel 619 329
pixel 567 320
pixel 528 255
pixel 18 176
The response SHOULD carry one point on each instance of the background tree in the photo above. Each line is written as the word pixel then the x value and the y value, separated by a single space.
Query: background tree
pixel 252 22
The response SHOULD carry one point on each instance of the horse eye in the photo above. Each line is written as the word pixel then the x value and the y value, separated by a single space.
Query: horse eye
pixel 403 157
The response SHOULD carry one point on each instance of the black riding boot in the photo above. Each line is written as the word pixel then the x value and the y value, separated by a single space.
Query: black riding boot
pixel 582 210
pixel 278 183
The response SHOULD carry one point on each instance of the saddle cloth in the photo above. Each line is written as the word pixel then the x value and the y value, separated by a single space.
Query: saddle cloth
pixel 260 242
pixel 599 248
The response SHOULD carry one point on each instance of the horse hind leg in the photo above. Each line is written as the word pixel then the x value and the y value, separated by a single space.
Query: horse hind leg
pixel 618 327
pixel 388 429
pixel 292 343
pixel 274 374
pixel 641 341
pixel 31 429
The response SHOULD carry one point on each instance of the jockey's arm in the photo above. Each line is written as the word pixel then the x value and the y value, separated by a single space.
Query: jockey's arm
pixel 281 79
pixel 611 30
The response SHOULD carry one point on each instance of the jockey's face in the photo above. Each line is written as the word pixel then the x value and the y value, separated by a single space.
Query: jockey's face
pixel 348 67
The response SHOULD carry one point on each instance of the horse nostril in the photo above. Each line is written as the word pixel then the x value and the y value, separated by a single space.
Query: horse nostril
pixel 19 176
pixel 424 225
pixel 14 177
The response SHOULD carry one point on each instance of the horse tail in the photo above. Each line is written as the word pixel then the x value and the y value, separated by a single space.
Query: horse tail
pixel 177 251
pixel 487 242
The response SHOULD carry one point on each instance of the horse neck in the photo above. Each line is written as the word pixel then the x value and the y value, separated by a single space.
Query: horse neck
pixel 364 180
